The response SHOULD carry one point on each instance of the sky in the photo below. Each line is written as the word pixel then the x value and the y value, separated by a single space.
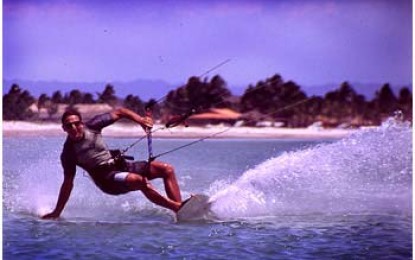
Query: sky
pixel 308 42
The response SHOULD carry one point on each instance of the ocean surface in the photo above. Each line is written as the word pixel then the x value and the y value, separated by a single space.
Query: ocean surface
pixel 272 199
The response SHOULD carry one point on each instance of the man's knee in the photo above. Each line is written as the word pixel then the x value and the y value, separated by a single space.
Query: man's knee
pixel 164 170
pixel 168 170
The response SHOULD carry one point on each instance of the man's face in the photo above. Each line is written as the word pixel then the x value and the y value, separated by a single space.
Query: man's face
pixel 74 127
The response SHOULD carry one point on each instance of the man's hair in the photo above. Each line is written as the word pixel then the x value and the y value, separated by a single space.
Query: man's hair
pixel 71 112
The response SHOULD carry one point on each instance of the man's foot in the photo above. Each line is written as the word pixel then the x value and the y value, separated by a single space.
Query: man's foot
pixel 185 201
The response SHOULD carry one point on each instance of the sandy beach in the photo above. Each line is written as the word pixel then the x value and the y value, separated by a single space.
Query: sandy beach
pixel 20 128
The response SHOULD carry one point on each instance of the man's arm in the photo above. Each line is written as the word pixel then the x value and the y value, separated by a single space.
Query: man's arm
pixel 64 194
pixel 145 122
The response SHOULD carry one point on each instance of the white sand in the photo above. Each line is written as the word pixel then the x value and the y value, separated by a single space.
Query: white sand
pixel 19 128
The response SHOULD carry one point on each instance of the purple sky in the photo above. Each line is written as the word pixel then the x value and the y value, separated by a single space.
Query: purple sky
pixel 309 42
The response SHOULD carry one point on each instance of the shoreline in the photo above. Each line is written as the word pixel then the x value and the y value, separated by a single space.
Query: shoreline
pixel 22 128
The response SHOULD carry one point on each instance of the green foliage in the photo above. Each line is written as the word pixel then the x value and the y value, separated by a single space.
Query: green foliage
pixel 42 101
pixel 405 103
pixel 197 95
pixel 108 96
pixel 16 104
pixel 271 99
pixel 75 97
pixel 88 98
pixel 385 101
pixel 134 103
pixel 57 97
pixel 47 103
pixel 343 102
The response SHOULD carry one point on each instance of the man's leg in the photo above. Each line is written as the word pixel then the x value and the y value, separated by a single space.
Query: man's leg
pixel 166 172
pixel 138 182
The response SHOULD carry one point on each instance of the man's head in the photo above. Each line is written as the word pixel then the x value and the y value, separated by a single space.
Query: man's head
pixel 72 124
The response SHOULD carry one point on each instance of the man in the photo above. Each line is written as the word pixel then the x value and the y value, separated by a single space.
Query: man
pixel 84 147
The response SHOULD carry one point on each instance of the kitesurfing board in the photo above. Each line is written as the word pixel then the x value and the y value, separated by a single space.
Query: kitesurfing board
pixel 196 208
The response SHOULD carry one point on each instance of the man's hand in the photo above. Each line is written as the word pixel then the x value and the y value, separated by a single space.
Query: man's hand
pixel 147 122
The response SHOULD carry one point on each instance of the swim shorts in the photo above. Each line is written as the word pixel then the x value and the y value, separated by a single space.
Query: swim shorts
pixel 113 181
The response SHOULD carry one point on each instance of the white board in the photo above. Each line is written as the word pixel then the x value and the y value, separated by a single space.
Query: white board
pixel 197 208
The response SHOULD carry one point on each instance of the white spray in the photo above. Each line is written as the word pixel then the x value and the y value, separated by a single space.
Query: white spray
pixel 370 171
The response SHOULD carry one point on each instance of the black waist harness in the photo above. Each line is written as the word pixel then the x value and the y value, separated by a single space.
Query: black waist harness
pixel 120 160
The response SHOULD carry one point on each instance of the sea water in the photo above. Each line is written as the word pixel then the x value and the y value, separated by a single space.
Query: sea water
pixel 272 199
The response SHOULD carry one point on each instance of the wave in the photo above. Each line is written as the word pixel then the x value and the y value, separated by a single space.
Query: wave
pixel 369 171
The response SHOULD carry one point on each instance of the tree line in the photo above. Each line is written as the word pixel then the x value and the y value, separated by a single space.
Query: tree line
pixel 272 99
